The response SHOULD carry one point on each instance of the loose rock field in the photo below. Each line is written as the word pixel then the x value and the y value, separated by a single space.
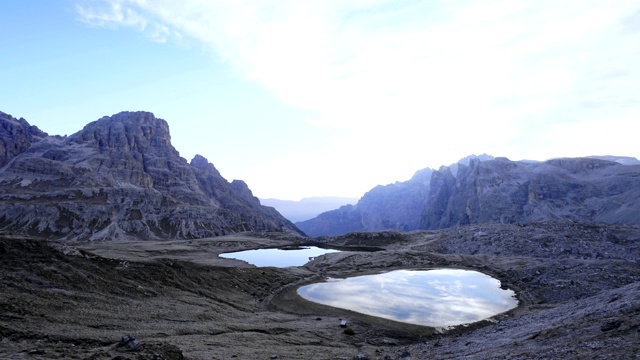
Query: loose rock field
pixel 578 287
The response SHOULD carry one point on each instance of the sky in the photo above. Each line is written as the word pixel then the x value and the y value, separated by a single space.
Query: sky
pixel 333 97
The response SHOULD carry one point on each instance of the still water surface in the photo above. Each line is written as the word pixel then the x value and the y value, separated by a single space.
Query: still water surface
pixel 278 257
pixel 437 298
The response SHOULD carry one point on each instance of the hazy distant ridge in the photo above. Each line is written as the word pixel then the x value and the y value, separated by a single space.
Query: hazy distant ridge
pixel 307 208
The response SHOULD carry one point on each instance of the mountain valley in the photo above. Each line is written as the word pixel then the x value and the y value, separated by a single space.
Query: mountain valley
pixel 110 244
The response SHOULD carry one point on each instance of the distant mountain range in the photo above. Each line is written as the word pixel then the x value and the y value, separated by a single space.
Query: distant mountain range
pixel 483 189
pixel 118 178
pixel 307 208
pixel 395 206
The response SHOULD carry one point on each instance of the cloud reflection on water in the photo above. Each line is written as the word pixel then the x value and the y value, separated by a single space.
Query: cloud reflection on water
pixel 437 298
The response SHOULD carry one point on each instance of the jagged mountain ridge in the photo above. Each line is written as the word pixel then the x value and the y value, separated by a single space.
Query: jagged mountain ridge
pixel 393 206
pixel 119 177
pixel 16 136
pixel 483 189
pixel 504 191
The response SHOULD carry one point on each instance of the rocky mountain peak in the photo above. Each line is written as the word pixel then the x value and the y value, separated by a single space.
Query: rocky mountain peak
pixel 395 206
pixel 480 189
pixel 581 164
pixel 623 160
pixel 120 177
pixel 242 189
pixel 423 176
pixel 201 163
pixel 16 136
pixel 136 131
pixel 504 191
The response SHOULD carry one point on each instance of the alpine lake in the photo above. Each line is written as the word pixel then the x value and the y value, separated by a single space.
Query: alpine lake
pixel 435 297
pixel 279 257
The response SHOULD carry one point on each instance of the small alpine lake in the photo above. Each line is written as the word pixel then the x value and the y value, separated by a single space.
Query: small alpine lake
pixel 280 257
pixel 435 298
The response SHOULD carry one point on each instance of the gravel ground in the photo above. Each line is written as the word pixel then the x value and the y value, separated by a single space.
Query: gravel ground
pixel 578 287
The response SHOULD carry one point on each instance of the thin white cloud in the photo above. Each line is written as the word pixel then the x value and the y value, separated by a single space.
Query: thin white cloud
pixel 426 82
pixel 118 13
pixel 110 14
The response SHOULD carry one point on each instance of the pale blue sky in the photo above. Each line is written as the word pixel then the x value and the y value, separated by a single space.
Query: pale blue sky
pixel 317 98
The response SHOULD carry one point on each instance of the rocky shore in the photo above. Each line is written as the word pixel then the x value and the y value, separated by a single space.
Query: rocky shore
pixel 578 286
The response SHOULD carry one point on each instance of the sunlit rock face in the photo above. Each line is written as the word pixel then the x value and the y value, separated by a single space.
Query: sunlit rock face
pixel 120 177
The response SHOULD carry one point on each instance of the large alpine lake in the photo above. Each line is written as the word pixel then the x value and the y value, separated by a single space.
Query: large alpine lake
pixel 436 298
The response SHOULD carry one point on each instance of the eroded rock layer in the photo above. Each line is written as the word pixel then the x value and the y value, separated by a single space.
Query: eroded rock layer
pixel 600 189
pixel 504 191
pixel 119 177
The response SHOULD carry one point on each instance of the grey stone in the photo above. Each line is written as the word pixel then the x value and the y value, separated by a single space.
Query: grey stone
pixel 121 178
pixel 16 136
pixel 480 189
pixel 503 191
pixel 396 206
pixel 129 343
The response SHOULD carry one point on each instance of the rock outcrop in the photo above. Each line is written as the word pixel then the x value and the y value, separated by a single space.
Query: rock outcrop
pixel 16 136
pixel 396 206
pixel 503 191
pixel 486 190
pixel 119 177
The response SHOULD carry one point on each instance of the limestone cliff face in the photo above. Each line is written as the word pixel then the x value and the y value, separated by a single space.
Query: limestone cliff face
pixel 394 206
pixel 343 220
pixel 503 191
pixel 16 136
pixel 120 177
pixel 480 189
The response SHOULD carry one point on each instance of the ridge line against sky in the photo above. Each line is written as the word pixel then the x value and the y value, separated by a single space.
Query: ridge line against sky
pixel 332 98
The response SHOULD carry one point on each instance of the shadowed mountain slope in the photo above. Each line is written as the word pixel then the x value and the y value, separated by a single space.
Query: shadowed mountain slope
pixel 395 206
pixel 119 177
pixel 481 189
pixel 503 191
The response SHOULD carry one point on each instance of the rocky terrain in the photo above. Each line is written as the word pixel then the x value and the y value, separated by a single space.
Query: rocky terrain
pixel 118 178
pixel 578 287
pixel 582 189
pixel 109 250
pixel 480 189
pixel 16 136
